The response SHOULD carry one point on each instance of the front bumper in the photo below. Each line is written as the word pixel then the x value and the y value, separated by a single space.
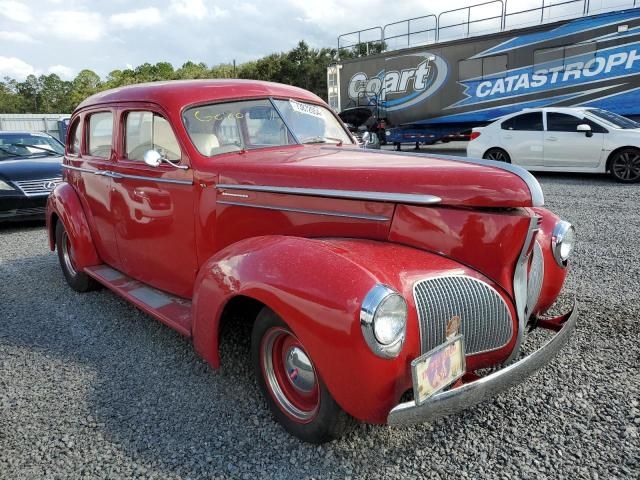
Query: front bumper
pixel 472 393
pixel 21 207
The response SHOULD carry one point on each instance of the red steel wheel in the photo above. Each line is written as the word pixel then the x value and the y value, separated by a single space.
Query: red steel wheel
pixel 290 375
pixel 290 383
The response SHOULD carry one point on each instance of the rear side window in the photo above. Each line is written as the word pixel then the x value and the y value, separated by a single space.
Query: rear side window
pixel 526 122
pixel 75 138
pixel 150 131
pixel 100 134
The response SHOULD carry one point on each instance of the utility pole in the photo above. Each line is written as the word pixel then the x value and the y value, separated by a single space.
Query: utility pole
pixel 234 68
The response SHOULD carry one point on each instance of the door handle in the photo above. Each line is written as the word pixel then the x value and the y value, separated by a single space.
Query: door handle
pixel 101 173
pixel 552 139
pixel 508 137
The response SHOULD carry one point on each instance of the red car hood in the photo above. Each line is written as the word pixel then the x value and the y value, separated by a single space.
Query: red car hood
pixel 456 181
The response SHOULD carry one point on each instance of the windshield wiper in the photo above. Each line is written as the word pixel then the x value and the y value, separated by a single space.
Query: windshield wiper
pixel 9 152
pixel 26 145
pixel 320 139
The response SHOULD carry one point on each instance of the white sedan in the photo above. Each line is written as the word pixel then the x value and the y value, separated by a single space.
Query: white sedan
pixel 563 140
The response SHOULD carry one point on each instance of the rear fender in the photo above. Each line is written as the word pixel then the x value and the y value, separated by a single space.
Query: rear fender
pixel 64 205
pixel 317 287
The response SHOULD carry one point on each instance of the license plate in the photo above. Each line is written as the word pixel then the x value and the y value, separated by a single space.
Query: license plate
pixel 437 369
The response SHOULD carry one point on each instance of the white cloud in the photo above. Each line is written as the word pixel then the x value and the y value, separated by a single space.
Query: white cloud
pixel 16 37
pixel 63 72
pixel 76 25
pixel 16 11
pixel 144 17
pixel 15 68
pixel 195 9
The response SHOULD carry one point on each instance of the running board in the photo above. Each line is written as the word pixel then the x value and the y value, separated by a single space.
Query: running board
pixel 169 309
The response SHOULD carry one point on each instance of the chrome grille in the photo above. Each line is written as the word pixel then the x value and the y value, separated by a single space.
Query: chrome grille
pixel 536 274
pixel 485 317
pixel 41 186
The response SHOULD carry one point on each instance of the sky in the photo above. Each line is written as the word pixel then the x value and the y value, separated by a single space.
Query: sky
pixel 65 36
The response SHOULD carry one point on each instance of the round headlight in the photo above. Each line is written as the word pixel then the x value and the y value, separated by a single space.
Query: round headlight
pixel 383 318
pixel 562 242
pixel 390 319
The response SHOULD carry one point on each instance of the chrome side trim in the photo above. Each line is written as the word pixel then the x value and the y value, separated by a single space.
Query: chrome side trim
pixel 116 175
pixel 485 388
pixel 349 194
pixel 79 169
pixel 537 196
pixel 521 286
pixel 359 216
pixel 152 179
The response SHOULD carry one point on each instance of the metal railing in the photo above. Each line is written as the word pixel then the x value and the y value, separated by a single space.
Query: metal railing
pixel 547 7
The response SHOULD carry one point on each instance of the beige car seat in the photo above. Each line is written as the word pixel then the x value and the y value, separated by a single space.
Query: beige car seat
pixel 205 142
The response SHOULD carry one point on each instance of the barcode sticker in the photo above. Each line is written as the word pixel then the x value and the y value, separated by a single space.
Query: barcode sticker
pixel 306 108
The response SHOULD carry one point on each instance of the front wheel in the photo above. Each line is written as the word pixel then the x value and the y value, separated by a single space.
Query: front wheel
pixel 625 165
pixel 497 154
pixel 79 281
pixel 296 395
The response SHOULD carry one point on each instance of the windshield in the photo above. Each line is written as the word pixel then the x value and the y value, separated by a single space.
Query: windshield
pixel 312 123
pixel 614 119
pixel 24 145
pixel 246 125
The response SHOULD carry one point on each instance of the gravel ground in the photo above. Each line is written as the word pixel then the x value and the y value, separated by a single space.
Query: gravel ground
pixel 92 388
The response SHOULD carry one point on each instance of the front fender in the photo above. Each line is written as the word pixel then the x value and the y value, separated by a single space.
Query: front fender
pixel 317 287
pixel 64 204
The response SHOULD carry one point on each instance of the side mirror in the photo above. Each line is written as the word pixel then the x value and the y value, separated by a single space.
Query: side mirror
pixel 152 158
pixel 586 129
pixel 366 138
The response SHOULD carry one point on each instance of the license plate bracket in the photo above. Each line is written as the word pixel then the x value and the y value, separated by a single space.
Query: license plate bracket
pixel 437 369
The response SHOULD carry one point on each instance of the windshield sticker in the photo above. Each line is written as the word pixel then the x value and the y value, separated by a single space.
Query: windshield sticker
pixel 306 109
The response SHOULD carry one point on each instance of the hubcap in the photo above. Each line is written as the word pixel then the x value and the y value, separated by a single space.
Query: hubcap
pixel 289 374
pixel 66 254
pixel 627 166
pixel 299 370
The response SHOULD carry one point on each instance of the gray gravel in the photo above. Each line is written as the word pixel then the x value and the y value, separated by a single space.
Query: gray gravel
pixel 92 388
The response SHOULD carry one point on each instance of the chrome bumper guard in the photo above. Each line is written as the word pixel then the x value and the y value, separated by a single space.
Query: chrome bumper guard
pixel 472 393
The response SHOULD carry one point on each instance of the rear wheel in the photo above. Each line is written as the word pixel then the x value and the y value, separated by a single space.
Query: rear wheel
pixel 497 154
pixel 79 281
pixel 625 165
pixel 296 395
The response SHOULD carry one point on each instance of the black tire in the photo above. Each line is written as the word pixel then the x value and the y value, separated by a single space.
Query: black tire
pixel 624 165
pixel 497 154
pixel 79 281
pixel 323 420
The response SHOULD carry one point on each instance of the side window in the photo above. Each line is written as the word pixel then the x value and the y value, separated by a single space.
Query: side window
pixel 229 127
pixel 265 127
pixel 100 134
pixel 526 122
pixel 561 58
pixel 468 69
pixel 561 122
pixel 75 138
pixel 149 131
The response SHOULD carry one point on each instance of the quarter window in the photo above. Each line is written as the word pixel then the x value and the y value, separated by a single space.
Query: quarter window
pixel 100 134
pixel 149 131
pixel 75 138
pixel 526 122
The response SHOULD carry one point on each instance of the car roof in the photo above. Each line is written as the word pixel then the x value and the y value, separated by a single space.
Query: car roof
pixel 178 93
pixel 557 109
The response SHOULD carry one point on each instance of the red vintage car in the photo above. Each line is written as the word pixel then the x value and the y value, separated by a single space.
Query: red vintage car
pixel 382 286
